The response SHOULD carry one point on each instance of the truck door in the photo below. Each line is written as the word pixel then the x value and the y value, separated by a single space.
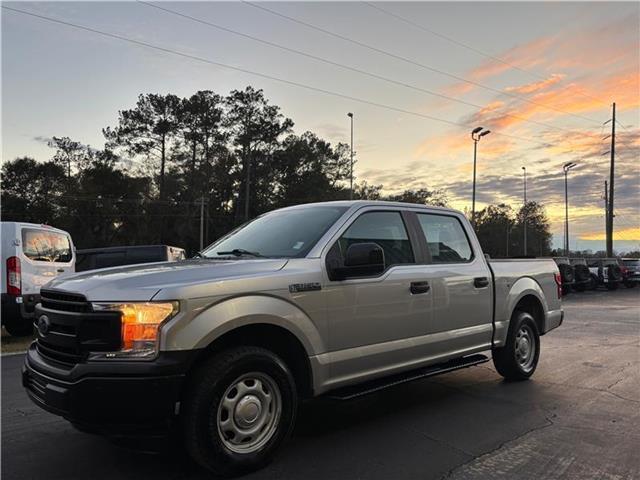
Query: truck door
pixel 461 286
pixel 372 320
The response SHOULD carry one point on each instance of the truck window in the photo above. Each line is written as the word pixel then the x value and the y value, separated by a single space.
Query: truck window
pixel 384 228
pixel 446 239
pixel 45 246
pixel 279 234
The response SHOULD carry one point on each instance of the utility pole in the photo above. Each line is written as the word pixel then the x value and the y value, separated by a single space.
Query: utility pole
pixel 201 223
pixel 565 168
pixel 606 209
pixel 247 187
pixel 524 220
pixel 611 181
pixel 350 115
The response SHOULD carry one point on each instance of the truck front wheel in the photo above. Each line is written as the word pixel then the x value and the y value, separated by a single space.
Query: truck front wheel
pixel 240 407
pixel 518 359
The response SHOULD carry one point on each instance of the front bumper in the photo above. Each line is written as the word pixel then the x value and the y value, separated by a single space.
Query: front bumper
pixel 109 397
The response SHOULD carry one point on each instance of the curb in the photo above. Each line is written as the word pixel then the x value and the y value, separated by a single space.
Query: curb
pixel 13 354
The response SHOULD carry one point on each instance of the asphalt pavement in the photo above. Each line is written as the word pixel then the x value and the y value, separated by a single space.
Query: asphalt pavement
pixel 577 418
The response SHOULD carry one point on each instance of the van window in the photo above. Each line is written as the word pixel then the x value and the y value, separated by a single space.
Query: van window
pixel 384 228
pixel 446 239
pixel 46 246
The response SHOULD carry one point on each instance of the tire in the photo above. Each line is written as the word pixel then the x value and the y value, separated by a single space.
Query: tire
pixel 523 338
pixel 217 416
pixel 18 326
pixel 612 285
pixel 629 284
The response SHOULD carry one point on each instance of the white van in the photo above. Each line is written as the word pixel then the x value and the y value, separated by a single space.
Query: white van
pixel 32 255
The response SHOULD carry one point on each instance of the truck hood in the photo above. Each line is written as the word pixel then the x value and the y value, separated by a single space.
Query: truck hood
pixel 143 282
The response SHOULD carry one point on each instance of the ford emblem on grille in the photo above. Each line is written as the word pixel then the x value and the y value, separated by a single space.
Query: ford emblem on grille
pixel 43 325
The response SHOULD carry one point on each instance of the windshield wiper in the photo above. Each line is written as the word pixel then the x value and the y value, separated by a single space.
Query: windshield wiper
pixel 238 252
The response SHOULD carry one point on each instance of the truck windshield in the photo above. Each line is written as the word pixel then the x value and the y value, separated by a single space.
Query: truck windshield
pixel 284 233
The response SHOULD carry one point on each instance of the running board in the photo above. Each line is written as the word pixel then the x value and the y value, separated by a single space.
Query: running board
pixel 347 393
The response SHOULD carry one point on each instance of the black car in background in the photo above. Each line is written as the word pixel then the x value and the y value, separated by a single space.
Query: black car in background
pixel 630 271
pixel 92 258
pixel 581 275
pixel 605 271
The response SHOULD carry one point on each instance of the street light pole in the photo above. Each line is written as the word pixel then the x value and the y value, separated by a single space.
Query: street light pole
pixel 524 169
pixel 566 167
pixel 350 115
pixel 475 136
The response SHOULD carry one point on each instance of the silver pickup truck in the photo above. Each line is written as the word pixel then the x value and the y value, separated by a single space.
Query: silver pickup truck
pixel 338 299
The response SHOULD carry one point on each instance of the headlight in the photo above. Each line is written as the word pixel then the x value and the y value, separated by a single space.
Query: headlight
pixel 140 326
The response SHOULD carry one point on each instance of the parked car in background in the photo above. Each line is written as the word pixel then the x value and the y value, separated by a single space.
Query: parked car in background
pixel 566 272
pixel 32 255
pixel 606 272
pixel 337 298
pixel 630 271
pixel 92 258
pixel 581 275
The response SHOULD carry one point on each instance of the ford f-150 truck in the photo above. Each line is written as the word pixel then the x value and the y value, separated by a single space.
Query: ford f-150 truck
pixel 338 298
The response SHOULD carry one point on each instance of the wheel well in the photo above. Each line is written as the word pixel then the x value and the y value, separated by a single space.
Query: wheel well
pixel 271 337
pixel 532 305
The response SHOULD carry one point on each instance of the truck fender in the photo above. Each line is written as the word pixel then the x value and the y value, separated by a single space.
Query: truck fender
pixel 229 314
pixel 523 287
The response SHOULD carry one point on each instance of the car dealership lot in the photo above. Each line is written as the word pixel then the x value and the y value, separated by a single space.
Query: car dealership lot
pixel 579 417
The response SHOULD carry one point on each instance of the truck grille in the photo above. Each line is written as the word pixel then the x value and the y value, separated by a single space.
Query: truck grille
pixel 64 302
pixel 73 329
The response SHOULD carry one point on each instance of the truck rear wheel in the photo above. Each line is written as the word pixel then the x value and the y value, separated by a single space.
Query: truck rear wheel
pixel 239 409
pixel 518 359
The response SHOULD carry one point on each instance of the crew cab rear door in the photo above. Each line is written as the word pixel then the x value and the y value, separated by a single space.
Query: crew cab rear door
pixel 461 284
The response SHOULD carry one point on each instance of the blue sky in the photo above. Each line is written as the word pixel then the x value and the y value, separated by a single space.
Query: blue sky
pixel 576 57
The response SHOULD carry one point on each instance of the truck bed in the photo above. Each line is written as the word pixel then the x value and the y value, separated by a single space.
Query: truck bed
pixel 512 278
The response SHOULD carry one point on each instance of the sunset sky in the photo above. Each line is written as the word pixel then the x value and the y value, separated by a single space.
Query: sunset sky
pixel 540 76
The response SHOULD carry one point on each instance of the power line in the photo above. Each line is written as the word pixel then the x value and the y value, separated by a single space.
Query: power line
pixel 469 47
pixel 412 62
pixel 343 66
pixel 259 74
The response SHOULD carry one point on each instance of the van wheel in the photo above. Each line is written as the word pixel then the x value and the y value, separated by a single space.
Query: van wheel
pixel 18 327
pixel 240 407
pixel 518 359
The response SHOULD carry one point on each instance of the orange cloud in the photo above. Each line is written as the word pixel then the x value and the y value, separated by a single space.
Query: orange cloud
pixel 629 234
pixel 550 102
pixel 537 86
pixel 525 56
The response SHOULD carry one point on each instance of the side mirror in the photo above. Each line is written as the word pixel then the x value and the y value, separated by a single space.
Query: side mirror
pixel 361 260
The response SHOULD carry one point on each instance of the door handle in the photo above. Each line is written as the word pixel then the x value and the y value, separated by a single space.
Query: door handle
pixel 60 270
pixel 480 282
pixel 419 287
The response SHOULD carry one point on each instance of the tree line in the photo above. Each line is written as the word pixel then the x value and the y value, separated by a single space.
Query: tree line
pixel 169 160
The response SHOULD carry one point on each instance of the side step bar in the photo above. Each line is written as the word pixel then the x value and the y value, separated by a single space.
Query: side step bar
pixel 347 393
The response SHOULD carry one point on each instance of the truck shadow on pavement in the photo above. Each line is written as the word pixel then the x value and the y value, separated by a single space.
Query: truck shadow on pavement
pixel 418 430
